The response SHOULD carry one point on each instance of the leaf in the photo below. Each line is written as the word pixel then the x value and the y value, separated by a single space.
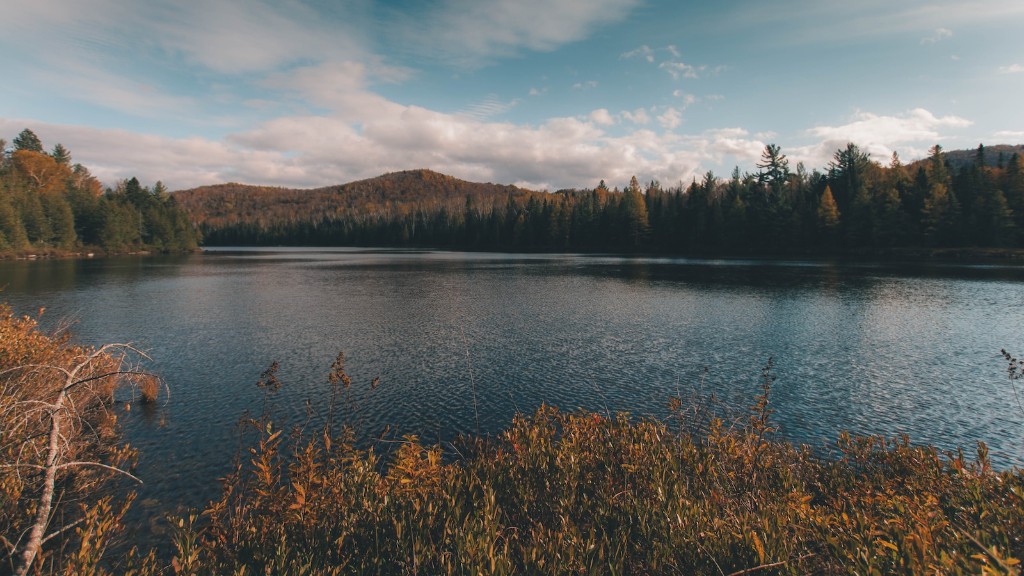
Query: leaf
pixel 888 544
pixel 758 546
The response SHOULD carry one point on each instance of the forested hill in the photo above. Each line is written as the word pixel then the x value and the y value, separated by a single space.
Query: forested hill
pixel 997 156
pixel 853 206
pixel 230 213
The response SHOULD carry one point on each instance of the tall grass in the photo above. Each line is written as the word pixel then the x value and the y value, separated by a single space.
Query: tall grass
pixel 582 493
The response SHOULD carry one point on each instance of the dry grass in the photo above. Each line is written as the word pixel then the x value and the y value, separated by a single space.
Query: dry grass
pixel 581 493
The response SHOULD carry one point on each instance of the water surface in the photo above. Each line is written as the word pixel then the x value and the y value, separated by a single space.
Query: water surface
pixel 461 341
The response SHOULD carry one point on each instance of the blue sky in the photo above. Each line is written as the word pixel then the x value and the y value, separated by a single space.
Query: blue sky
pixel 541 93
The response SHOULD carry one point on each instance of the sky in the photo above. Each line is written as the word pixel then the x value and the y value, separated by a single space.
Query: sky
pixel 545 94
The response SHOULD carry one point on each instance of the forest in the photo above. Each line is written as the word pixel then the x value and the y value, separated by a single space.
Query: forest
pixel 49 205
pixel 854 206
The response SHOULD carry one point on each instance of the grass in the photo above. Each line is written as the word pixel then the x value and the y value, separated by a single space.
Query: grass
pixel 582 493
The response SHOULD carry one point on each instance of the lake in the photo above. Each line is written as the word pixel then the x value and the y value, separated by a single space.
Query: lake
pixel 463 341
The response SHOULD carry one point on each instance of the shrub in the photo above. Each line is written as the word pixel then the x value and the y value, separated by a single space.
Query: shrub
pixel 580 492
pixel 60 506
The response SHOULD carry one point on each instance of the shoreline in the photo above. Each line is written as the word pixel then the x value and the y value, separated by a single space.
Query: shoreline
pixel 958 255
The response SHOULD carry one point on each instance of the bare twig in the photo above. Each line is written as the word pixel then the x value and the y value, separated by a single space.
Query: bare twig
pixel 767 566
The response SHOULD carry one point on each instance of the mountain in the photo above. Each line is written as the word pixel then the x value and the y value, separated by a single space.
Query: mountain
pixel 226 205
pixel 997 155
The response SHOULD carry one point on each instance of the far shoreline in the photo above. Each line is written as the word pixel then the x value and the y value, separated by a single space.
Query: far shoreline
pixel 947 255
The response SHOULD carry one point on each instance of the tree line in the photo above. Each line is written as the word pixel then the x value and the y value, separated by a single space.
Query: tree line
pixel 49 204
pixel 854 206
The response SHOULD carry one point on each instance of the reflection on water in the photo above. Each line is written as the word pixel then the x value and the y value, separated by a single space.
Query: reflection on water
pixel 869 348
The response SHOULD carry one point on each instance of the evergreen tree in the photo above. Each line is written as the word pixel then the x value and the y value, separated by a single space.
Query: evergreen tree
pixel 848 176
pixel 887 230
pixel 61 221
pixel 61 154
pixel 773 169
pixel 12 230
pixel 1013 185
pixel 993 219
pixel 27 140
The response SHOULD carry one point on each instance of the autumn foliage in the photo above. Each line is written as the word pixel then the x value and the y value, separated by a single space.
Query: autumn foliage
pixel 59 449
pixel 50 206
pixel 854 206
pixel 581 493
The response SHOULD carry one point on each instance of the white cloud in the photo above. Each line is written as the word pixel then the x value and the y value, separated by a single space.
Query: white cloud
pixel 588 85
pixel 476 31
pixel 878 135
pixel 686 99
pixel 914 126
pixel 602 117
pixel 829 22
pixel 490 107
pixel 226 36
pixel 1013 135
pixel 98 86
pixel 681 69
pixel 670 119
pixel 638 116
pixel 1011 69
pixel 937 36
pixel 319 150
pixel 644 52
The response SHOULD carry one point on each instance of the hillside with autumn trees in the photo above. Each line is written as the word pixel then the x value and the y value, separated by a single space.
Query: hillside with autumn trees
pixel 854 206
pixel 389 209
pixel 49 205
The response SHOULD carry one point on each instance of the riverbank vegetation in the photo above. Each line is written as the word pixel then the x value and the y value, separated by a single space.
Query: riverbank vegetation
pixel 50 206
pixel 586 493
pixel 556 492
pixel 969 203
pixel 61 461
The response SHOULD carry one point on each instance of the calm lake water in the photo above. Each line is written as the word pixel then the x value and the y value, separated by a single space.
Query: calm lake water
pixel 462 341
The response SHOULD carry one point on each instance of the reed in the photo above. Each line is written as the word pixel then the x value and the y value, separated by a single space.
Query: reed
pixel 581 492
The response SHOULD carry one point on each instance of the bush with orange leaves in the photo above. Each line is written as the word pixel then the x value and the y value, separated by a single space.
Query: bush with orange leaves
pixel 59 449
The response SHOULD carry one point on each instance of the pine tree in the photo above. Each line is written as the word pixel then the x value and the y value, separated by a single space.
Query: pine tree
pixel 61 154
pixel 12 230
pixel 27 140
pixel 773 169
pixel 1014 189
pixel 61 221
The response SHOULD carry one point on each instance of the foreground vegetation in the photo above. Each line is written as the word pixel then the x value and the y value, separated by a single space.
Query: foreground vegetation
pixel 60 455
pixel 555 493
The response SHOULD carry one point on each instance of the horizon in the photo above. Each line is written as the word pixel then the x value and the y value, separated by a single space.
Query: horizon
pixel 541 95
